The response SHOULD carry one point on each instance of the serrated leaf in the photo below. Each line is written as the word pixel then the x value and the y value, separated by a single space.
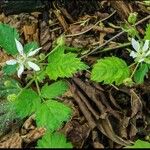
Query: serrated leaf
pixel 30 46
pixel 56 89
pixel 147 32
pixel 63 65
pixel 140 73
pixel 51 114
pixel 26 103
pixel 140 144
pixel 9 69
pixel 55 140
pixel 109 70
pixel 7 39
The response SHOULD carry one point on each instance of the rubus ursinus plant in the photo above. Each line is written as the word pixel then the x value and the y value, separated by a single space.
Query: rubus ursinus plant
pixel 43 101
pixel 30 62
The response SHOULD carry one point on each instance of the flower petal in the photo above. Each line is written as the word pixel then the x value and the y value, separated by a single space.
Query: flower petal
pixel 19 47
pixel 133 54
pixel 142 59
pixel 148 53
pixel 135 44
pixel 11 62
pixel 34 52
pixel 146 45
pixel 33 66
pixel 20 70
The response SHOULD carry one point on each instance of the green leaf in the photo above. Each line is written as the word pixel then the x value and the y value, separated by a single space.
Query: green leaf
pixel 41 74
pixel 63 65
pixel 51 115
pixel 27 102
pixel 147 32
pixel 55 140
pixel 30 46
pixel 7 39
pixel 140 144
pixel 56 89
pixel 8 86
pixel 140 73
pixel 109 70
pixel 9 69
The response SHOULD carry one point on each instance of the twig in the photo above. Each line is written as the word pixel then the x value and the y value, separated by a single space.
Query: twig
pixel 117 35
pixel 77 34
pixel 112 48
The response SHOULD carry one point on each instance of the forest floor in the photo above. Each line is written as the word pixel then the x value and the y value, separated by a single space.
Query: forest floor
pixel 104 116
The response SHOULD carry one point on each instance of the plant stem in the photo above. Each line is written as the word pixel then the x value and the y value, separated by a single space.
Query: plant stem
pixel 38 88
pixel 117 47
pixel 29 83
pixel 117 35
pixel 49 53
pixel 134 70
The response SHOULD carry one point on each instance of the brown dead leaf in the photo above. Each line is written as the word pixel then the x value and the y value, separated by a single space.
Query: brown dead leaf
pixel 12 140
pixel 95 139
pixel 136 104
pixel 105 127
pixel 33 135
pixel 45 36
pixel 28 125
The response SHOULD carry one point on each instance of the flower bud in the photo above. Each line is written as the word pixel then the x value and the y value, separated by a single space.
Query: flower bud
pixel 11 97
pixel 7 83
pixel 132 18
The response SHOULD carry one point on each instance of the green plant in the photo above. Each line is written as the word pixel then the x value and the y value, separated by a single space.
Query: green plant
pixel 49 112
pixel 110 70
pixel 140 144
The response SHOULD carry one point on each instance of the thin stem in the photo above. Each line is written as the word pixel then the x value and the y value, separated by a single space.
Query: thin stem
pixel 77 34
pixel 117 35
pixel 49 53
pixel 134 70
pixel 29 83
pixel 132 64
pixel 117 47
pixel 37 86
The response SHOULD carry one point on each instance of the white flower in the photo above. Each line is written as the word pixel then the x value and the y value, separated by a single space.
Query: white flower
pixel 24 60
pixel 141 52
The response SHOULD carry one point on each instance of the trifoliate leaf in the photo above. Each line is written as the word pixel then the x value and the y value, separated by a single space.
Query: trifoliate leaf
pixel 30 46
pixel 27 102
pixel 140 144
pixel 51 114
pixel 109 70
pixel 56 89
pixel 63 65
pixel 147 33
pixel 53 140
pixel 7 39
pixel 9 69
pixel 140 73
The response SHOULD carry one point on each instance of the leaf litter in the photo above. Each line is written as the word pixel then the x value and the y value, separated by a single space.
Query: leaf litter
pixel 104 116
